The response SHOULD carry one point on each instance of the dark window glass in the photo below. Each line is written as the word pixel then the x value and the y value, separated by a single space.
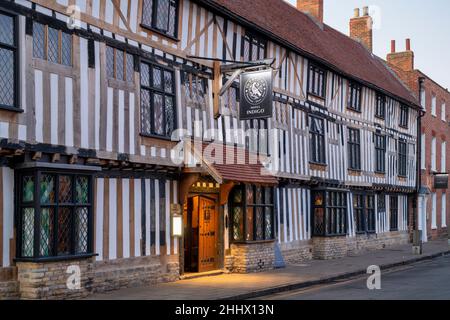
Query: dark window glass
pixel 251 213
pixel 354 149
pixel 161 15
pixel 157 100
pixel 119 65
pixel 52 44
pixel 316 81
pixel 393 208
pixel 254 48
pixel 354 96
pixel 380 153
pixel 371 220
pixel 317 140
pixel 380 111
pixel 402 158
pixel 359 212
pixel 62 221
pixel 329 213
pixel 404 114
pixel 8 66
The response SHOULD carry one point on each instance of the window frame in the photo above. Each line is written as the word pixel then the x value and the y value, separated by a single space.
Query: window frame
pixel 60 46
pixel 393 212
pixel 154 28
pixel 37 206
pixel 404 116
pixel 245 205
pixel 162 92
pixel 381 102
pixel 313 71
pixel 125 71
pixel 351 103
pixel 364 214
pixel 334 205
pixel 354 149
pixel 380 152
pixel 253 39
pixel 314 137
pixel 402 158
pixel 15 48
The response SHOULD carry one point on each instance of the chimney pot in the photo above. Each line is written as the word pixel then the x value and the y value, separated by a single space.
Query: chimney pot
pixel 361 28
pixel 356 11
pixel 392 46
pixel 408 44
pixel 366 11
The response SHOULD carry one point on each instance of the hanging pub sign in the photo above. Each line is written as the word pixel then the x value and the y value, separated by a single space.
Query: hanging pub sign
pixel 441 181
pixel 256 95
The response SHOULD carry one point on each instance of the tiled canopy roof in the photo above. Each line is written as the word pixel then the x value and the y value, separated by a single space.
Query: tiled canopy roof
pixel 286 24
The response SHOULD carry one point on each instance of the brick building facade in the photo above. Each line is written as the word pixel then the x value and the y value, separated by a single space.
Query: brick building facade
pixel 434 204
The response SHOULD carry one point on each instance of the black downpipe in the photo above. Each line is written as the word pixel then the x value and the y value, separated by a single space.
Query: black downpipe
pixel 418 151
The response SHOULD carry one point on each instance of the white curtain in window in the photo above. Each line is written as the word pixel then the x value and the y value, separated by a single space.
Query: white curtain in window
pixel 444 157
pixel 433 154
pixel 433 211
pixel 444 210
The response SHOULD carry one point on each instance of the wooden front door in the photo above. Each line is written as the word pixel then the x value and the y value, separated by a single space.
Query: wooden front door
pixel 208 225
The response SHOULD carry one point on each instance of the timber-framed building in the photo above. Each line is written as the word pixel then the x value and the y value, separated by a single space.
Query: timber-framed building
pixel 87 117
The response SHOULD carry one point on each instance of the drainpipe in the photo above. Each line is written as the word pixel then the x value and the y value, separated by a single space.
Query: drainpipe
pixel 417 237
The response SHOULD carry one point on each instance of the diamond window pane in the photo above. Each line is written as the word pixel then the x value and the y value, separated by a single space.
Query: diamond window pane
pixel 6 30
pixel 172 18
pixel 27 189
pixel 238 224
pixel 47 185
pixel 7 90
pixel 66 49
pixel 147 12
pixel 145 112
pixel 145 75
pixel 162 22
pixel 249 224
pixel 64 227
pixel 119 64
pixel 27 232
pixel 53 45
pixel 268 223
pixel 81 230
pixel 65 189
pixel 259 223
pixel 157 78
pixel 170 116
pixel 110 62
pixel 130 67
pixel 46 232
pixel 168 82
pixel 38 40
pixel 158 111
pixel 82 190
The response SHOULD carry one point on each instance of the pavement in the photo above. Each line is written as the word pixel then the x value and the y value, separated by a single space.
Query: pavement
pixel 293 277
pixel 426 280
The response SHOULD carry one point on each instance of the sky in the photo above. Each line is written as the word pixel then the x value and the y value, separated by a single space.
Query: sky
pixel 425 22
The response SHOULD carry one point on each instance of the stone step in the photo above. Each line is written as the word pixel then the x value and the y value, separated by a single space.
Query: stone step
pixel 189 276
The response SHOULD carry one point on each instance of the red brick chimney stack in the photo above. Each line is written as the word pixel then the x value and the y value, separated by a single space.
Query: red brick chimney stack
pixel 313 8
pixel 361 28
pixel 402 60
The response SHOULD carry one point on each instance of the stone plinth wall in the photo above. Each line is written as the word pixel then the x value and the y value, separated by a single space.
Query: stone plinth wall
pixel 49 280
pixel 297 251
pixel 253 257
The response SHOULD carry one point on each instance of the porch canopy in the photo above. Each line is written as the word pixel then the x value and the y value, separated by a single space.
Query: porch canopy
pixel 228 163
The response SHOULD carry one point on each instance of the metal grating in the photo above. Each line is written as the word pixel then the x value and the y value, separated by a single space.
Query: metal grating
pixel 27 232
pixel 6 77
pixel 81 230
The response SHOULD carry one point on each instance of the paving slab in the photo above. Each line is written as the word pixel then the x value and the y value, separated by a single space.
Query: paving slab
pixel 305 274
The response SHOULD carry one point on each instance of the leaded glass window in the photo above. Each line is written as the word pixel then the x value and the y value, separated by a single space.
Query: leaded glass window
pixel 317 81
pixel 119 64
pixel 402 158
pixel 161 15
pixel 253 47
pixel 58 210
pixel 251 210
pixel 52 44
pixel 354 149
pixel 317 140
pixel 8 58
pixel 157 100
pixel 329 213
pixel 354 96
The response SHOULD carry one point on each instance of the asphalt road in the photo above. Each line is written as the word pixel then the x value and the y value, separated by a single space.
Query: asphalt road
pixel 428 280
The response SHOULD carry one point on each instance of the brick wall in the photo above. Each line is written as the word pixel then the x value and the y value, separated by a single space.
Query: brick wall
pixel 297 251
